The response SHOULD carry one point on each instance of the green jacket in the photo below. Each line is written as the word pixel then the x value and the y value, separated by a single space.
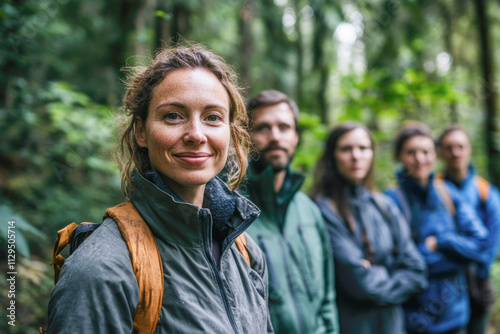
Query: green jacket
pixel 298 254
pixel 97 291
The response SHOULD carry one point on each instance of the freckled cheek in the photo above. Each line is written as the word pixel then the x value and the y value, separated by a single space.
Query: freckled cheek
pixel 160 143
pixel 220 142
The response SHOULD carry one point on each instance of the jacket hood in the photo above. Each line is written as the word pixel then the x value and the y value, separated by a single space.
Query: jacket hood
pixel 178 222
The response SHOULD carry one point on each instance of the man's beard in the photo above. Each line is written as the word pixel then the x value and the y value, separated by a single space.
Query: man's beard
pixel 259 162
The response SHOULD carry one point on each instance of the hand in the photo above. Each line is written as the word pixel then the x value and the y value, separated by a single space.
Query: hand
pixel 431 243
pixel 366 263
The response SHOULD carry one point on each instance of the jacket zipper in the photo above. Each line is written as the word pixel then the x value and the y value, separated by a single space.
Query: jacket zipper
pixel 301 270
pixel 215 270
pixel 290 286
pixel 309 258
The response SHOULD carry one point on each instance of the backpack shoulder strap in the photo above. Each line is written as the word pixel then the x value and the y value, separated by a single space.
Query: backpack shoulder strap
pixel 444 195
pixel 146 263
pixel 241 243
pixel 439 176
pixel 62 240
pixel 483 186
pixel 405 206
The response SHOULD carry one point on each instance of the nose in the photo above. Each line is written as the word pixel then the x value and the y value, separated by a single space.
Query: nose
pixel 419 157
pixel 194 132
pixel 275 133
pixel 356 153
pixel 456 151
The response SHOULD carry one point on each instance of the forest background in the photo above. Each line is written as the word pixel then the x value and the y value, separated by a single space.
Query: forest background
pixel 379 62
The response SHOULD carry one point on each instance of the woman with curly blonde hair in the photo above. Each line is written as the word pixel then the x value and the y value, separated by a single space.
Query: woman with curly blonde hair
pixel 185 123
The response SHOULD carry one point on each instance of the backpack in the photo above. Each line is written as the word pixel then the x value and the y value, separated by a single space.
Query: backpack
pixel 483 187
pixel 146 261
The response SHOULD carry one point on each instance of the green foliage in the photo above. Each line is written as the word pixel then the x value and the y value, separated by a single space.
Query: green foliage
pixel 380 96
pixel 20 227
pixel 312 136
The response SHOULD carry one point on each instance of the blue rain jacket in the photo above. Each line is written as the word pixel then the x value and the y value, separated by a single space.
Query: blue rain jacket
pixel 462 238
pixel 489 213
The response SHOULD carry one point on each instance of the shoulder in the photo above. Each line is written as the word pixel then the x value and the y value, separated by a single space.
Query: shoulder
pixel 97 280
pixel 392 193
pixel 386 200
pixel 102 255
pixel 304 202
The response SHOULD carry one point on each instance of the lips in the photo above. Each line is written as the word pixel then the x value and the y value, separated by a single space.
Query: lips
pixel 193 158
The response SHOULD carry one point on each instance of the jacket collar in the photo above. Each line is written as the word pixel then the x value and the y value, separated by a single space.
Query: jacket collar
pixel 178 222
pixel 412 186
pixel 260 187
pixel 358 193
pixel 469 178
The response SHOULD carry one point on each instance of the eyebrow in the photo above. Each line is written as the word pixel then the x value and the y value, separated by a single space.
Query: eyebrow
pixel 183 106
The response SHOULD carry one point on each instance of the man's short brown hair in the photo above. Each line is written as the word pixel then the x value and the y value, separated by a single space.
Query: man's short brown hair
pixel 269 98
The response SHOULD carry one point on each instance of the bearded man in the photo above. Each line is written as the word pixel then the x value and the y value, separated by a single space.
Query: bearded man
pixel 290 231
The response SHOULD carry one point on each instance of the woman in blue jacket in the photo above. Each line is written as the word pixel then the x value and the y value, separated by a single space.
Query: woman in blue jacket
pixel 377 266
pixel 445 229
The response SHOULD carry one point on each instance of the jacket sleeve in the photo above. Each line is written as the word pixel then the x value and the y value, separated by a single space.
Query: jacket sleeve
pixel 469 240
pixel 492 223
pixel 377 284
pixel 437 262
pixel 97 291
pixel 259 264
pixel 329 306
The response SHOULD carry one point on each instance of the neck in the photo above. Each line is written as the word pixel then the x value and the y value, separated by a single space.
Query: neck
pixel 457 174
pixel 423 182
pixel 190 194
pixel 279 178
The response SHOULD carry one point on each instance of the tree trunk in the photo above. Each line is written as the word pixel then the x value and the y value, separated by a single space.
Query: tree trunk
pixel 180 22
pixel 245 49
pixel 300 55
pixel 320 64
pixel 488 91
pixel 142 18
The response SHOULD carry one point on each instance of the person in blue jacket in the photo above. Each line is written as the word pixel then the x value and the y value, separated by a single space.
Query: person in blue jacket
pixel 377 266
pixel 446 230
pixel 455 150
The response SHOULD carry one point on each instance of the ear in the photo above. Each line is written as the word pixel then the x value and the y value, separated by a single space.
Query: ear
pixel 140 133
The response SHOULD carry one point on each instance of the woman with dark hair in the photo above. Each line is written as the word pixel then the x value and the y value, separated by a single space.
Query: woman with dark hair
pixel 445 229
pixel 185 121
pixel 376 264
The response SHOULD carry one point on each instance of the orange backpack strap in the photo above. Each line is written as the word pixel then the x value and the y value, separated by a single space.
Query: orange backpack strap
pixel 146 263
pixel 483 187
pixel 241 243
pixel 444 195
pixel 439 176
pixel 62 241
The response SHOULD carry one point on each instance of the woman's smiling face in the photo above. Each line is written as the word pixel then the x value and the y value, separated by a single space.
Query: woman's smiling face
pixel 187 131
pixel 418 156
